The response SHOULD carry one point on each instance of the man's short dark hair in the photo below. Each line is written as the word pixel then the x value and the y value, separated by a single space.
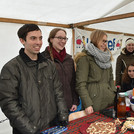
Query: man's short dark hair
pixel 22 32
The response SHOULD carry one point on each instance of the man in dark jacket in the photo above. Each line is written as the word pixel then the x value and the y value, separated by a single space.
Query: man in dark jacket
pixel 30 91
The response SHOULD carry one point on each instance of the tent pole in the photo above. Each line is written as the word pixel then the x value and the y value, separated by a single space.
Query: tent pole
pixel 105 19
pixel 18 21
pixel 111 32
pixel 73 40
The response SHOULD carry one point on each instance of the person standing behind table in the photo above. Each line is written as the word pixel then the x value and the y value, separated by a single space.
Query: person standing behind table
pixel 124 59
pixel 94 78
pixel 128 78
pixel 30 91
pixel 65 65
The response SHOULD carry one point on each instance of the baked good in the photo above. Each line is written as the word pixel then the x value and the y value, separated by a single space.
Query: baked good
pixel 101 128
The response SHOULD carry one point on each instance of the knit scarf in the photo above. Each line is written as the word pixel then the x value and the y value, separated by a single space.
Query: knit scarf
pixel 60 56
pixel 102 59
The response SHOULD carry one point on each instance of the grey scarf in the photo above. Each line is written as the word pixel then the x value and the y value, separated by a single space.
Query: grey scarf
pixel 102 59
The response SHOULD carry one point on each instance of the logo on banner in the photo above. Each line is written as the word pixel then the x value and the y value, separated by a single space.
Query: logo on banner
pixel 114 45
pixel 82 39
pixel 81 42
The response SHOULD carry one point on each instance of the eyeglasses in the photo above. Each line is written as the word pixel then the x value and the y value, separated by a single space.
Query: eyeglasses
pixel 61 38
pixel 104 41
pixel 130 70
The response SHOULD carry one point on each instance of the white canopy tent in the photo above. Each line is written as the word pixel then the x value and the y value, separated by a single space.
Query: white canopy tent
pixel 67 11
pixel 115 16
pixel 71 12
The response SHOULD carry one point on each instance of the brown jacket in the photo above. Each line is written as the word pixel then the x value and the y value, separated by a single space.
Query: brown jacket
pixel 67 76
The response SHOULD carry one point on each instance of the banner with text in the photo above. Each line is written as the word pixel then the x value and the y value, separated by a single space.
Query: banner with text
pixel 82 38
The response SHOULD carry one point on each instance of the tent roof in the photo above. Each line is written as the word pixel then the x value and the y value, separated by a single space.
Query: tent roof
pixel 71 12
pixel 120 25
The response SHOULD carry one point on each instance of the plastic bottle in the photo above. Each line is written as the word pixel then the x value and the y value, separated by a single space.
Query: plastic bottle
pixel 121 106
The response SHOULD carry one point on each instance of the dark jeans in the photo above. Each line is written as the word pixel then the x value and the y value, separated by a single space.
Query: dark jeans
pixel 15 131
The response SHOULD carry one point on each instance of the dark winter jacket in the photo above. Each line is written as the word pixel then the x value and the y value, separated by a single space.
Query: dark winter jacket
pixel 30 93
pixel 66 73
pixel 127 86
pixel 94 84
pixel 122 62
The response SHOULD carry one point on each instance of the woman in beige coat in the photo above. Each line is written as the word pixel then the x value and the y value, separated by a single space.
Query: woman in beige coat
pixel 94 78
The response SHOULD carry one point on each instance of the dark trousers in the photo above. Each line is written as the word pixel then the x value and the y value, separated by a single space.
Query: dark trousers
pixel 15 131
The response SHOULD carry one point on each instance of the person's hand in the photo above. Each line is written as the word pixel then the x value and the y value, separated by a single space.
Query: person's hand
pixel 89 110
pixel 73 108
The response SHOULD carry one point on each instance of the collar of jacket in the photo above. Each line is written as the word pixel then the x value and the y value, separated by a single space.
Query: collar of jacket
pixel 30 62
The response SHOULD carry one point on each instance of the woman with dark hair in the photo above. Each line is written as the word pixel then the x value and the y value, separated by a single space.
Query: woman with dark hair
pixel 65 65
pixel 124 59
pixel 128 78
pixel 94 78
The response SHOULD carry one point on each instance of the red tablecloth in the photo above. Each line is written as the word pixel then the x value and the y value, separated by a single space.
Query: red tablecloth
pixel 74 126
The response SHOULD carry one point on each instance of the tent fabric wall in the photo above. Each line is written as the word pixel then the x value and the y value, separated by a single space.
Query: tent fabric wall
pixel 4 124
